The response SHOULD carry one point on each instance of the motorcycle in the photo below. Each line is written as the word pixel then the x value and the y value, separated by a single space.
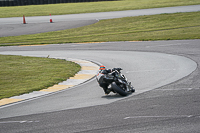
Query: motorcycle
pixel 118 83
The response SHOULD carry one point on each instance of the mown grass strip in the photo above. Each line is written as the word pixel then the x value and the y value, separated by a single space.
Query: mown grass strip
pixel 155 27
pixel 88 7
pixel 19 75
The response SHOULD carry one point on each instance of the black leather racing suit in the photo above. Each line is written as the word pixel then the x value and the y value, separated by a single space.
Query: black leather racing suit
pixel 101 78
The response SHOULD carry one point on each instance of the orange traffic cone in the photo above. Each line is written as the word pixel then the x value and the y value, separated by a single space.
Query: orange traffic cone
pixel 51 21
pixel 24 21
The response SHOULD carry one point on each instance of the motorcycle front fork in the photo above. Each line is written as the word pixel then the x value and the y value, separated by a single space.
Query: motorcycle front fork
pixel 129 87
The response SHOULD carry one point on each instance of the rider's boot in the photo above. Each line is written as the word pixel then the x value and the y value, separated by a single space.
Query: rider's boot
pixel 107 91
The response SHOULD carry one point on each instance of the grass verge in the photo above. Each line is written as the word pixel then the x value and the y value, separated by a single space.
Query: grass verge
pixel 19 75
pixel 88 7
pixel 176 26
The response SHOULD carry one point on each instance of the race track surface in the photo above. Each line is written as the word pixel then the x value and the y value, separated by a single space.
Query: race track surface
pixel 14 26
pixel 146 70
pixel 169 108
pixel 165 75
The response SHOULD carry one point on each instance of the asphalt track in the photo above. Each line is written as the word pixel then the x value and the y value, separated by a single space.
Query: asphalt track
pixel 173 107
pixel 13 26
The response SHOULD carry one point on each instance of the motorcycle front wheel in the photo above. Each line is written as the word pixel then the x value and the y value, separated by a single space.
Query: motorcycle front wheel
pixel 118 90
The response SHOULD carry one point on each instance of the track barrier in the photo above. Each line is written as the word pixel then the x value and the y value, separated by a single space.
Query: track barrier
pixel 40 2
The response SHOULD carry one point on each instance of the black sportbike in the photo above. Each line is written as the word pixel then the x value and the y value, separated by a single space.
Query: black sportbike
pixel 118 83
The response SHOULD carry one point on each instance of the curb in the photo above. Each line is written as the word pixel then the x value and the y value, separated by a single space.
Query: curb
pixel 87 72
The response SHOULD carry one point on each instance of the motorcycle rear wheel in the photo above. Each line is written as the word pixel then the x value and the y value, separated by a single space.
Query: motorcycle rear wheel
pixel 118 90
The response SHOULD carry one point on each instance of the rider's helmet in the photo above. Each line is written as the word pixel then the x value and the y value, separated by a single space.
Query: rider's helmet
pixel 102 67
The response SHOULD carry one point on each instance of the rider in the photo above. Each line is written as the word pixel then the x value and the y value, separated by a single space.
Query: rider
pixel 101 78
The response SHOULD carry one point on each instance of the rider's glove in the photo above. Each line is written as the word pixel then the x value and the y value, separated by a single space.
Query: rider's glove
pixel 118 69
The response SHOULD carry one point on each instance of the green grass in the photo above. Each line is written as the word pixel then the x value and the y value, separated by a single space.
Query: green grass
pixel 176 26
pixel 19 75
pixel 88 7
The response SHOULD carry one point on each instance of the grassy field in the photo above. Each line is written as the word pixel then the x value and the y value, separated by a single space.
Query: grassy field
pixel 88 7
pixel 19 75
pixel 176 26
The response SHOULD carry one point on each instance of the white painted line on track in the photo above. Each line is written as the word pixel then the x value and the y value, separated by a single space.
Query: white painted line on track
pixel 167 116
pixel 165 45
pixel 24 121
pixel 151 70
pixel 177 89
